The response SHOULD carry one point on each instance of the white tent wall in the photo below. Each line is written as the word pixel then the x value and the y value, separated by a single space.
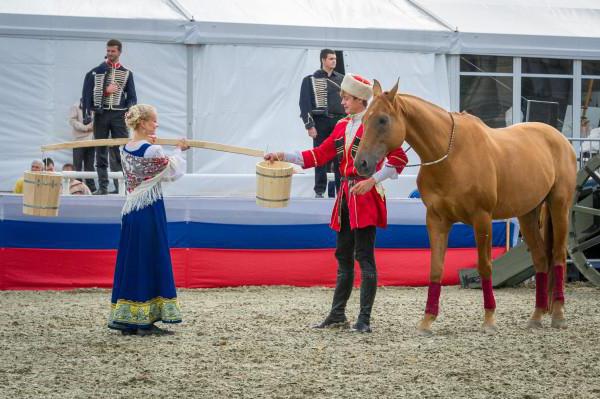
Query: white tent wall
pixel 259 49
pixel 41 79
pixel 248 96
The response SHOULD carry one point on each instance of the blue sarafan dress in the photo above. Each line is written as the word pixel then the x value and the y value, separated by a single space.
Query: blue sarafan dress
pixel 144 289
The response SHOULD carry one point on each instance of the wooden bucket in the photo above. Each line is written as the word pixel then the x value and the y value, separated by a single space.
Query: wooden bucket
pixel 41 193
pixel 273 184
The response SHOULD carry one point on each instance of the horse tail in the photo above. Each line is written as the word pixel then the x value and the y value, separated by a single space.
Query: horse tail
pixel 548 246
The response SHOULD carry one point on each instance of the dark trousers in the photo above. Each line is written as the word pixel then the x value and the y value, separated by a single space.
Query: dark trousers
pixel 354 244
pixel 109 124
pixel 83 159
pixel 324 126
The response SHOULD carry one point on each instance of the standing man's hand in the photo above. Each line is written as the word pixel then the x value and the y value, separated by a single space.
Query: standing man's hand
pixel 363 187
pixel 312 132
pixel 111 88
pixel 274 156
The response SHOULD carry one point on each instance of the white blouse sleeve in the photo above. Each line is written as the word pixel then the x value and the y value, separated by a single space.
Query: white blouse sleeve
pixel 294 157
pixel 177 163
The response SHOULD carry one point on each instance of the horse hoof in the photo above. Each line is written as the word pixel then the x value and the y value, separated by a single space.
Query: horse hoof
pixel 559 323
pixel 534 324
pixel 489 329
pixel 424 332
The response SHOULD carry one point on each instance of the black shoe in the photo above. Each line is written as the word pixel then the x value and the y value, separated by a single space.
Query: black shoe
pixel 361 327
pixel 319 195
pixel 100 191
pixel 332 322
pixel 153 331
pixel 115 191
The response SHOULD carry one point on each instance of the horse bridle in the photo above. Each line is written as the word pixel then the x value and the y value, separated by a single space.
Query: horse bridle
pixel 447 152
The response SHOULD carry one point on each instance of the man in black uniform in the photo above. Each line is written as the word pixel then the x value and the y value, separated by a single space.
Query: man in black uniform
pixel 320 109
pixel 108 91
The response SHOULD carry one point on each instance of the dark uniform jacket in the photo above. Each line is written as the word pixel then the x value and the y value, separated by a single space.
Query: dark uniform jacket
pixel 320 97
pixel 94 96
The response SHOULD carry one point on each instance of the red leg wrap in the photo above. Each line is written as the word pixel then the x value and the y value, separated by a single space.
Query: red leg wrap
pixel 541 290
pixel 559 278
pixel 433 298
pixel 488 294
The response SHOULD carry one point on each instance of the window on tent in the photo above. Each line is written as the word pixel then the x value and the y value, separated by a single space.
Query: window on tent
pixel 486 88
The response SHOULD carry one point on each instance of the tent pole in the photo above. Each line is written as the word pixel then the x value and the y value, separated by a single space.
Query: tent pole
pixel 189 111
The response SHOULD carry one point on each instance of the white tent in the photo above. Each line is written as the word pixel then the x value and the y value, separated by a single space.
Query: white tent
pixel 230 71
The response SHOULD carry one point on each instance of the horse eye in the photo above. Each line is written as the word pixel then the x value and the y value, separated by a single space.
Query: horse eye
pixel 382 120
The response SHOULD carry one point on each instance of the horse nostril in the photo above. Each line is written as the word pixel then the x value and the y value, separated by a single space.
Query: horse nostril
pixel 363 164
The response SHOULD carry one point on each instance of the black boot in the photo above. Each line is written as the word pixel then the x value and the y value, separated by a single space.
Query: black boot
pixel 116 190
pixel 361 327
pixel 102 182
pixel 91 184
pixel 368 289
pixel 332 322
pixel 343 289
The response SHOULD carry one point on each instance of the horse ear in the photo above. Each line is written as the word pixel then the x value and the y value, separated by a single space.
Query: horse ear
pixel 392 93
pixel 376 88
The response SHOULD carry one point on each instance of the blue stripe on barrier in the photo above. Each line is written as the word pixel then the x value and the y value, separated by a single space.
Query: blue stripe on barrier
pixel 19 234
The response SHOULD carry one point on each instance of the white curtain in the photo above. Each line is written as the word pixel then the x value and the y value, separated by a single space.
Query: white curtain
pixel 248 96
pixel 41 79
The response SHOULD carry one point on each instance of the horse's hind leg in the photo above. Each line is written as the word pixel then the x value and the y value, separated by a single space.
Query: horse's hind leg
pixel 438 229
pixel 482 224
pixel 529 224
pixel 559 213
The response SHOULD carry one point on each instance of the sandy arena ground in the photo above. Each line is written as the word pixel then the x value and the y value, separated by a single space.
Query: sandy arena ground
pixel 253 342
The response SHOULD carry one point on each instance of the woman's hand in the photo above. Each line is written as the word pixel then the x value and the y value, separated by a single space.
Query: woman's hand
pixel 274 156
pixel 363 187
pixel 183 145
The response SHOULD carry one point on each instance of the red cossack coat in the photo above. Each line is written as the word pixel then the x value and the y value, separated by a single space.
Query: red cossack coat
pixel 367 209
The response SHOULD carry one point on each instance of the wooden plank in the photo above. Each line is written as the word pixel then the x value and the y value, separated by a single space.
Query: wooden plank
pixel 192 143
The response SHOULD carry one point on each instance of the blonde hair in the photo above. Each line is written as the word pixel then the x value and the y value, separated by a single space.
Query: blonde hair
pixel 137 114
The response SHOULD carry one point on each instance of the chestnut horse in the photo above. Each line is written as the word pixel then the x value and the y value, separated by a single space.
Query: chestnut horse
pixel 473 174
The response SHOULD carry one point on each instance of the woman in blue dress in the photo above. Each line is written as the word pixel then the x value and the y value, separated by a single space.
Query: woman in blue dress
pixel 144 289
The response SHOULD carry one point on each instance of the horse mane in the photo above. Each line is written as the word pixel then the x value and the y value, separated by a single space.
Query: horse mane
pixel 461 115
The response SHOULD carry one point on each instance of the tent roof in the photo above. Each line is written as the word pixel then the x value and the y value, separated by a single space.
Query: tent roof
pixel 356 14
pixel 561 28
pixel 578 18
pixel 132 9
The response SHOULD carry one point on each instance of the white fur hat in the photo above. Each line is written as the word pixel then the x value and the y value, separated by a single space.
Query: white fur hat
pixel 357 86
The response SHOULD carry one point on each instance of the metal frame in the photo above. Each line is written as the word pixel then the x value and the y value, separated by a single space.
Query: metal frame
pixel 517 75
pixel 578 240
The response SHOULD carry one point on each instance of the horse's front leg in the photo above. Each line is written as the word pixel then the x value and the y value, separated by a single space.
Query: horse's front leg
pixel 438 228
pixel 482 224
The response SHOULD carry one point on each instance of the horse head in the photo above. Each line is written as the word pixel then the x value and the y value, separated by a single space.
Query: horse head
pixel 384 129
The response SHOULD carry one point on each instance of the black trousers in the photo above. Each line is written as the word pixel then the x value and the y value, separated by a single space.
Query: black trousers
pixel 83 159
pixel 109 124
pixel 354 244
pixel 324 126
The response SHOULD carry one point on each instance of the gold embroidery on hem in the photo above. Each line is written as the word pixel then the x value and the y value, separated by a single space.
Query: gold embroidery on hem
pixel 144 313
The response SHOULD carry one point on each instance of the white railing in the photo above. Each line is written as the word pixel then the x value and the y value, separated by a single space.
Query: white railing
pixel 90 175
pixel 585 148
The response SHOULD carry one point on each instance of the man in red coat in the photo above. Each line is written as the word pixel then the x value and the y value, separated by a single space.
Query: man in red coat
pixel 360 204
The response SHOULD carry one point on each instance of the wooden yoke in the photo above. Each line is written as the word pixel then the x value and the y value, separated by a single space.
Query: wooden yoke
pixel 192 143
